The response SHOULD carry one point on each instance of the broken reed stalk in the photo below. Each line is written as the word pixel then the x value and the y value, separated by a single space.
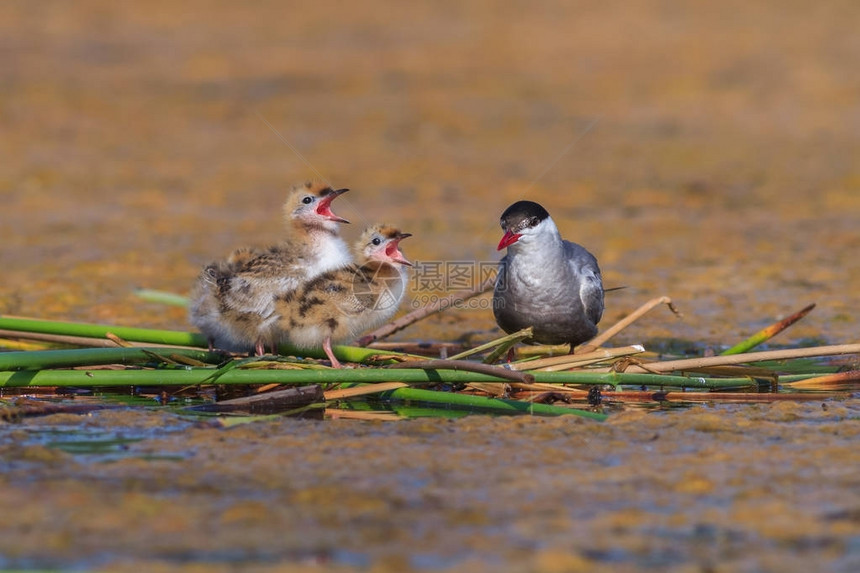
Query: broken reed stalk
pixel 492 388
pixel 542 350
pixel 503 349
pixel 544 387
pixel 604 336
pixel 767 333
pixel 364 390
pixel 439 305
pixel 839 381
pixel 504 342
pixel 270 402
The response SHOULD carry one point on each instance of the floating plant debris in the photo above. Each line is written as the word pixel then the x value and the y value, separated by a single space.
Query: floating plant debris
pixel 173 362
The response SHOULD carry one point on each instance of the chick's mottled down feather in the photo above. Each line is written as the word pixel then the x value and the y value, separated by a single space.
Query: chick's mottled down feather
pixel 340 304
pixel 233 299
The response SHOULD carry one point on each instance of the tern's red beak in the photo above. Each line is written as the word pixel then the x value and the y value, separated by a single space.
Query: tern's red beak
pixel 508 239
pixel 393 253
pixel 324 206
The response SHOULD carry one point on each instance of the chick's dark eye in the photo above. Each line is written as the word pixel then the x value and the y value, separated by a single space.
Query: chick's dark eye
pixel 308 200
pixel 376 240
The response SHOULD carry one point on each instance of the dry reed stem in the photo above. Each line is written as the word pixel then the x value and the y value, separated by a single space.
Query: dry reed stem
pixel 117 340
pixel 270 402
pixel 467 366
pixel 746 397
pixel 840 381
pixel 544 387
pixel 343 393
pixel 186 361
pixel 492 388
pixel 505 341
pixel 554 363
pixel 432 349
pixel 542 350
pixel 21 345
pixel 693 364
pixel 362 415
pixel 387 330
pixel 603 337
pixel 266 388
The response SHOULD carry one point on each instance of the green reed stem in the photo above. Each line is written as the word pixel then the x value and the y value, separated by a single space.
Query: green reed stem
pixel 767 333
pixel 504 342
pixel 86 330
pixel 169 337
pixel 194 376
pixel 489 405
pixel 40 359
pixel 162 297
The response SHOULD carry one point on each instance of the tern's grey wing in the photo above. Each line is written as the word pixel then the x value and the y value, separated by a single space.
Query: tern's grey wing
pixel 585 269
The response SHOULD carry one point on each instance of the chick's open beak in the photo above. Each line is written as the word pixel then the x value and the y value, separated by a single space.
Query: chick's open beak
pixel 324 206
pixel 393 252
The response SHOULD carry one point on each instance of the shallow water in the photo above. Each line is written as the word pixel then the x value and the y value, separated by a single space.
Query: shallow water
pixel 721 171
pixel 735 488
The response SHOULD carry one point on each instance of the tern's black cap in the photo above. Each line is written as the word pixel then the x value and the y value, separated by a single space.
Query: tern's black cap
pixel 522 214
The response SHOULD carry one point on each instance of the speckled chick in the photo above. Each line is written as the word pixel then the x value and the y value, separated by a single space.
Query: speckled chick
pixel 545 282
pixel 338 305
pixel 233 299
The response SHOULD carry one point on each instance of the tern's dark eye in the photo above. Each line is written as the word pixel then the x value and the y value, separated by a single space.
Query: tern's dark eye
pixel 533 221
pixel 308 200
pixel 376 240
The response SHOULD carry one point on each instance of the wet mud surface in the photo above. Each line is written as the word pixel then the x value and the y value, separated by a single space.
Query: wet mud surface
pixel 729 488
pixel 708 153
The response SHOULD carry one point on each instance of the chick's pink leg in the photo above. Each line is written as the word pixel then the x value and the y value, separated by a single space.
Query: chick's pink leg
pixel 330 354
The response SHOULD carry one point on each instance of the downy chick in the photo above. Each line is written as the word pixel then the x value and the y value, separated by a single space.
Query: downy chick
pixel 338 305
pixel 233 299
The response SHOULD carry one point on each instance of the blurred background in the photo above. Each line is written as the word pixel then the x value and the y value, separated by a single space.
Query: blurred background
pixel 707 151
